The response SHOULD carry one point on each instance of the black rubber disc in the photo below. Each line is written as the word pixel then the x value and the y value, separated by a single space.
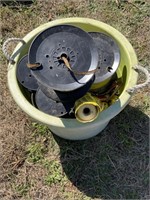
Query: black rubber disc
pixel 50 106
pixel 68 41
pixel 24 75
pixel 66 96
pixel 32 98
pixel 109 56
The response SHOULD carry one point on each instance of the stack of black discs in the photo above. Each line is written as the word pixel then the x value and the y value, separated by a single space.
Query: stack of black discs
pixel 108 61
pixel 54 85
pixel 62 63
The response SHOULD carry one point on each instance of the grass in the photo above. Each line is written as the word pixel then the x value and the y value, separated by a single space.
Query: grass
pixel 35 152
pixel 55 174
pixel 22 189
pixel 38 165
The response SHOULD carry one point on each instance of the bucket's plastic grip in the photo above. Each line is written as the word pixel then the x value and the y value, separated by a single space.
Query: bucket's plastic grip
pixel 5 45
pixel 139 86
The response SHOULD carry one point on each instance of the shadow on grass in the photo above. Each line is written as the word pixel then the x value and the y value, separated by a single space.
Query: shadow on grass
pixel 114 164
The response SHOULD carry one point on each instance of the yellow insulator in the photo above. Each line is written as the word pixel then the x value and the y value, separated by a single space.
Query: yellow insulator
pixel 88 108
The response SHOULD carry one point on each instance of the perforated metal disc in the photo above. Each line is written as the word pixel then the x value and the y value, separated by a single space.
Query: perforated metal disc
pixel 50 106
pixel 109 56
pixel 73 43
pixel 24 75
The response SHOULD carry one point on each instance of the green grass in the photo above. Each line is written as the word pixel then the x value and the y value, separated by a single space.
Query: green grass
pixel 55 174
pixel 35 152
pixel 22 189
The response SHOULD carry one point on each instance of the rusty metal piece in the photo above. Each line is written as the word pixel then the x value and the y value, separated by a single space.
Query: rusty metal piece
pixel 66 61
pixel 32 66
pixel 111 92
pixel 67 64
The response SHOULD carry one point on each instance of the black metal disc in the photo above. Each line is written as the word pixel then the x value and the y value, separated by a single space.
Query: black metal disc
pixel 51 107
pixel 24 75
pixel 68 41
pixel 109 56
pixel 66 96
pixel 32 99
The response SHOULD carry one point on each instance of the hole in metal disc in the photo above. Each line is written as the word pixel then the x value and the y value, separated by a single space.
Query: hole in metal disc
pixel 30 75
pixel 104 60
pixel 60 60
pixel 109 69
pixel 47 56
pixel 68 49
pixel 22 81
pixel 65 55
pixel 51 67
pixel 86 111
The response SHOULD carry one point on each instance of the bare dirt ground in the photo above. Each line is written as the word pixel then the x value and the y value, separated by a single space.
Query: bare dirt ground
pixel 36 165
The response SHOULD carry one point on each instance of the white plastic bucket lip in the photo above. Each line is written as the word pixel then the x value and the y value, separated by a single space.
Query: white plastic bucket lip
pixel 36 114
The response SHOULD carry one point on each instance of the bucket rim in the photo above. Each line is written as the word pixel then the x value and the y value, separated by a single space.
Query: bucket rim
pixel 49 120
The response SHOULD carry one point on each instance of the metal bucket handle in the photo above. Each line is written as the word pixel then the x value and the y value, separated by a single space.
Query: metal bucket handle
pixel 5 47
pixel 141 85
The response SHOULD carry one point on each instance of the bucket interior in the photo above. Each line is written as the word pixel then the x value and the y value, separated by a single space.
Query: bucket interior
pixel 124 68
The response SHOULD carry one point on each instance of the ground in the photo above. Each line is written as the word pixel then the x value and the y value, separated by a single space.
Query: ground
pixel 36 165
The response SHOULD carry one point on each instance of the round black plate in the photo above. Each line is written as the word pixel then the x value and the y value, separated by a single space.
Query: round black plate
pixel 68 41
pixel 109 56
pixel 50 106
pixel 24 75
pixel 66 96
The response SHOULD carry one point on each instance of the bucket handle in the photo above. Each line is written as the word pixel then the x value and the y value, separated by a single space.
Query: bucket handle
pixel 139 86
pixel 5 47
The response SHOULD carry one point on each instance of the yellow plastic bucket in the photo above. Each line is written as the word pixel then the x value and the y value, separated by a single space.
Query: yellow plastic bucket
pixel 71 128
